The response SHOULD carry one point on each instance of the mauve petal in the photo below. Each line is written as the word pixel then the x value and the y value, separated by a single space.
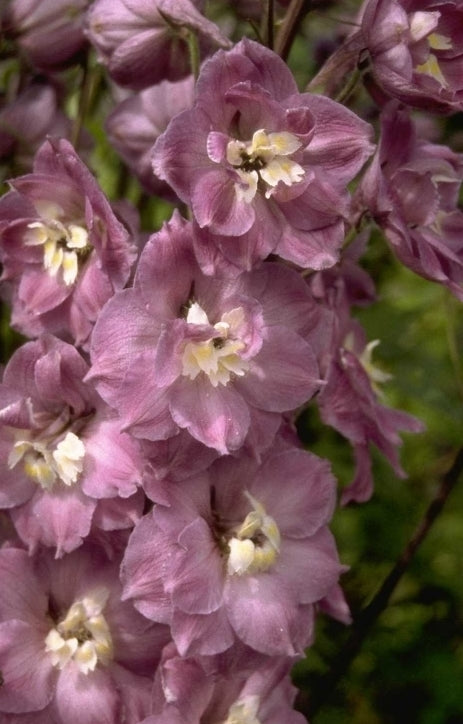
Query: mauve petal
pixel 87 698
pixel 60 518
pixel 15 486
pixel 197 572
pixel 310 567
pixel 283 375
pixel 39 292
pixel 180 153
pixel 285 297
pixel 263 613
pixel 216 205
pixel 115 343
pixel 341 142
pixel 113 461
pixel 27 673
pixel 135 693
pixel 308 499
pixel 21 594
pixel 167 254
pixel 143 581
pixel 146 414
pixel 177 458
pixel 201 635
pixel 217 417
pixel 185 14
pixel 118 513
pixel 247 59
pixel 316 249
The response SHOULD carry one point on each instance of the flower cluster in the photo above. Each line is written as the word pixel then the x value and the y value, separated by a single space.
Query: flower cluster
pixel 168 543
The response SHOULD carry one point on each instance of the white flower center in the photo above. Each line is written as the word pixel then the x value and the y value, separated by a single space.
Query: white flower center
pixel 422 25
pixel 46 462
pixel 266 159
pixel 217 357
pixel 62 243
pixel 255 545
pixel 244 711
pixel 83 635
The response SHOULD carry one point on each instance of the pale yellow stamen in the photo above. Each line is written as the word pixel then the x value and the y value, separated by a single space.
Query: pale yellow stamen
pixel 45 462
pixel 244 711
pixel 218 358
pixel 255 545
pixel 61 245
pixel 83 635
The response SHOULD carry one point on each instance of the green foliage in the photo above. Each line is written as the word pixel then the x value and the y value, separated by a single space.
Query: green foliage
pixel 410 668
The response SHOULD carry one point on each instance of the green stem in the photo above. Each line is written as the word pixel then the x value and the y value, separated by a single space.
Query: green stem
pixel 366 618
pixel 86 92
pixel 193 47
pixel 345 93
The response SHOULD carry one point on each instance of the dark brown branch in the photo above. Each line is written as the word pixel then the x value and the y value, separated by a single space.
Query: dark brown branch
pixel 297 9
pixel 366 618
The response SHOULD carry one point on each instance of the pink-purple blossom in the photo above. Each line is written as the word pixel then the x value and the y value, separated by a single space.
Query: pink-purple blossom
pixel 411 189
pixel 241 552
pixel 218 358
pixel 63 250
pixel 66 466
pixel 70 650
pixel 259 161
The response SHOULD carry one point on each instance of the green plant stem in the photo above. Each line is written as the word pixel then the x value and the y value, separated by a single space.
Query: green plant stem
pixel 345 93
pixel 366 618
pixel 86 93
pixel 193 48
pixel 297 9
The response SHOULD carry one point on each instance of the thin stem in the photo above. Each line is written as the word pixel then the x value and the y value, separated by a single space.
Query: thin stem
pixel 193 48
pixel 288 29
pixel 345 93
pixel 86 93
pixel 366 618
pixel 268 23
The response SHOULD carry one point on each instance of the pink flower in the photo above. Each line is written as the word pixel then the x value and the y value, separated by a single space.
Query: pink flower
pixel 217 358
pixel 416 51
pixel 49 32
pixel 241 553
pixel 135 124
pixel 412 189
pixel 263 167
pixel 63 250
pixel 144 42
pixel 65 463
pixel 238 686
pixel 70 650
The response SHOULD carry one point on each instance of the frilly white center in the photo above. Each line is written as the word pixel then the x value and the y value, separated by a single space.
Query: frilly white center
pixel 46 461
pixel 83 636
pixel 255 545
pixel 244 711
pixel 265 158
pixel 62 243
pixel 217 357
